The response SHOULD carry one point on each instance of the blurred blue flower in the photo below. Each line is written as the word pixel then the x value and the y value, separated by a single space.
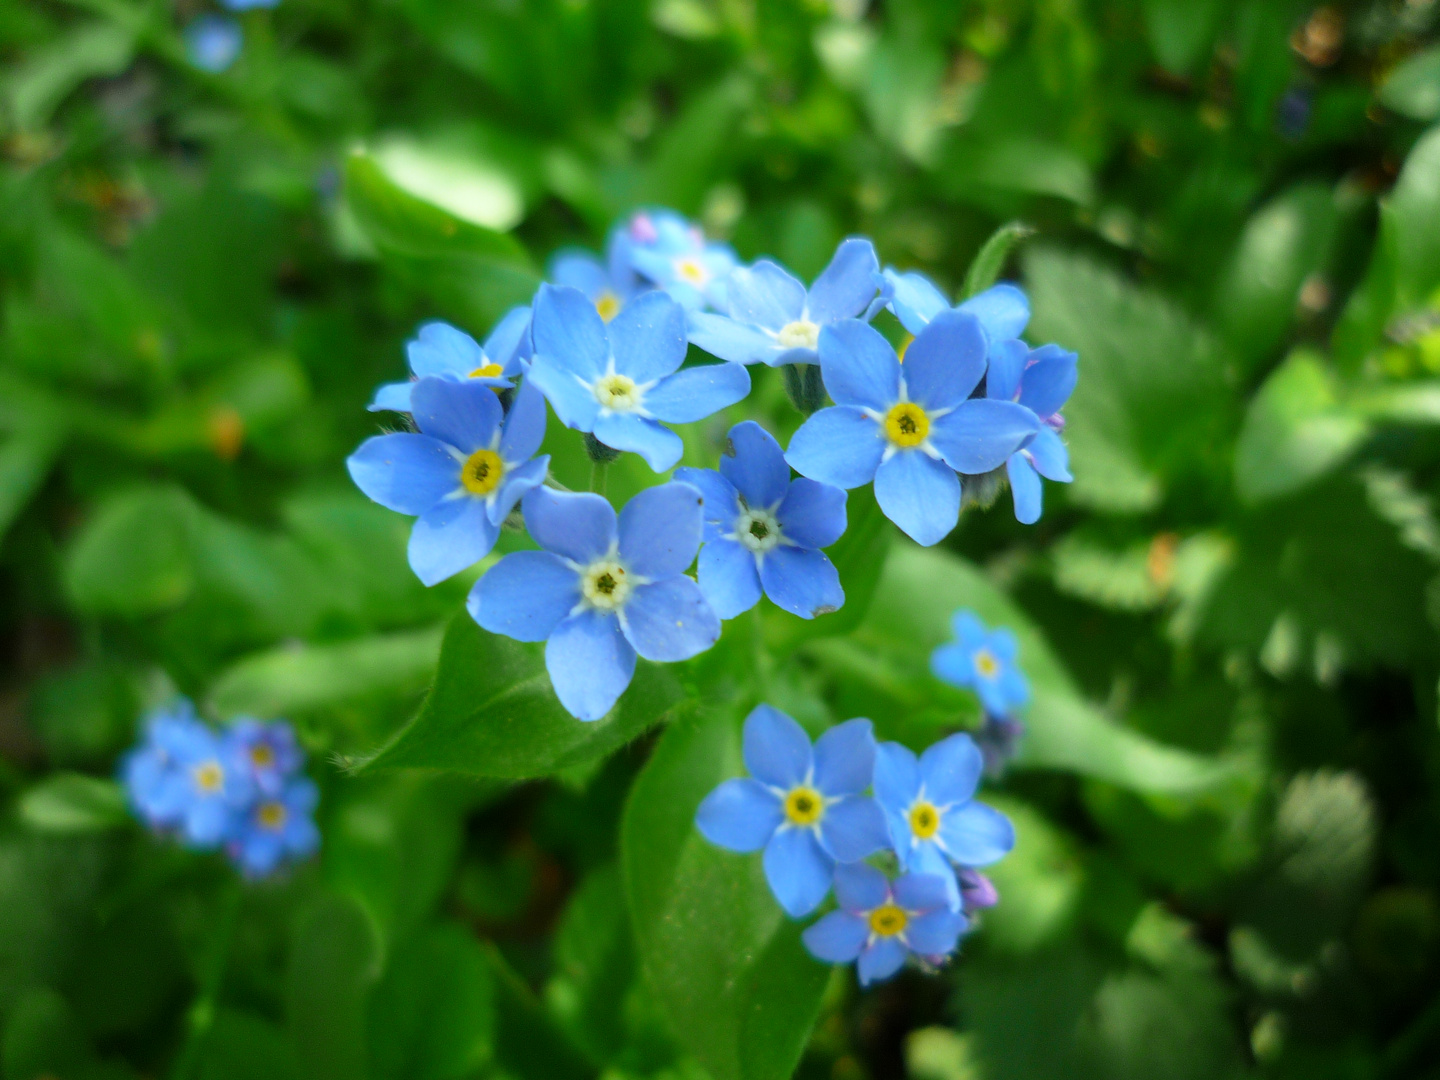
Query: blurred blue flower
pixel 1042 380
pixel 601 591
pixel 763 529
pixel 909 430
pixel 881 922
pixel 462 475
pixel 212 42
pixel 441 350
pixel 278 828
pixel 673 253
pixel 977 891
pixel 773 320
pixel 803 806
pixel 984 661
pixel 270 750
pixel 608 283
pixel 248 5
pixel 933 817
pixel 1003 310
pixel 619 381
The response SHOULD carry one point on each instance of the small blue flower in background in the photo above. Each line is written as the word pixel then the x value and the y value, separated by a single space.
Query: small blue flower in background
pixel 212 42
pixel 441 350
pixel 270 750
pixel 763 529
pixel 1003 310
pixel 609 284
pixel 977 891
pixel 618 381
pixel 910 429
pixel 277 828
pixel 982 660
pixel 933 816
pixel 773 320
pixel 461 476
pixel 1042 380
pixel 248 5
pixel 602 590
pixel 673 253
pixel 881 922
pixel 803 806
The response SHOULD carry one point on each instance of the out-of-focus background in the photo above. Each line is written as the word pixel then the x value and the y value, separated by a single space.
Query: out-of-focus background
pixel 217 229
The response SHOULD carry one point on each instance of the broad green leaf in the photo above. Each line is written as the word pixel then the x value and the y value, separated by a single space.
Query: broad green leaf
pixel 989 261
pixel 1415 204
pixel 492 712
pixel 334 962
pixel 1295 431
pixel 1182 31
pixel 1122 579
pixel 1403 403
pixel 73 803
pixel 242 1046
pixel 899 88
pixel 1413 86
pixel 595 963
pixel 439 172
pixel 724 962
pixel 46 78
pixel 1016 164
pixel 528 1044
pixel 1040 883
pixel 133 557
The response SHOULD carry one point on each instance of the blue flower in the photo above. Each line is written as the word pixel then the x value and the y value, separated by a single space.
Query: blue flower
pixel 674 254
pixel 773 320
pixel 270 751
pixel 762 528
pixel 912 429
pixel 881 922
pixel 982 660
pixel 462 475
pixel 601 591
pixel 276 829
pixel 619 381
pixel 933 817
pixel 1003 310
pixel 803 806
pixel 445 352
pixel 609 284
pixel 248 5
pixel 212 42
pixel 977 891
pixel 1042 380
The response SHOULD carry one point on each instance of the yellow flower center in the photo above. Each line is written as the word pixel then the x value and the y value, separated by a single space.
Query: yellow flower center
pixel 482 472
pixel 887 920
pixel 608 305
pixel 906 425
pixel 272 815
pixel 262 756
pixel 606 585
pixel 688 268
pixel 209 776
pixel 924 820
pixel 804 806
pixel 800 334
pixel 986 664
pixel 487 371
pixel 617 393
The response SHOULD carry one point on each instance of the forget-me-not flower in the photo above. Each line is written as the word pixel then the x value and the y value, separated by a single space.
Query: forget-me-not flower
pixel 803 806
pixel 446 352
pixel 212 42
pixel 278 828
pixel 1003 309
pixel 984 661
pixel 461 474
pixel 1042 380
pixel 911 429
pixel 608 283
pixel 764 530
pixel 673 253
pixel 881 922
pixel 773 320
pixel 602 590
pixel 270 750
pixel 932 813
pixel 977 891
pixel 248 5
pixel 619 381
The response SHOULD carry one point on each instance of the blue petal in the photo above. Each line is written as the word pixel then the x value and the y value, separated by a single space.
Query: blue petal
pixel 812 514
pixel 840 446
pixel 925 859
pixel 953 663
pixel 802 581
pixel 525 595
pixel 919 893
pixel 722 503
pixel 728 578
pixel 1014 687
pixel 853 828
pixel 515 486
pixel 208 821
pixel 881 959
pixel 394 396
pixel 1025 486
pixel 579 269
pixel 755 464
pixel 1002 309
pixel 404 472
pixel 764 295
pixel 937 933
pixel 845 758
pixel 573 401
pixel 1003 643
pixel 858 365
pixel 1049 380
pixel 590 664
pixel 740 815
pixel 950 770
pixel 980 434
pixel 1049 455
pixel 968 629
pixel 569 333
pixel 669 620
pixel 660 447
pixel 508 341
pixel 847 285
pixel 647 338
pixel 976 834
pixel 914 299
pixel 441 349
pixel 463 414
pixel 919 494
pixel 450 536
pixel 777 750
pixel 837 938
pixel 897 776
pixel 945 361
pixel 860 888
pixel 660 530
pixel 697 392
pixel 1007 365
pixel 798 870
pixel 577 525
pixel 737 342
pixel 524 424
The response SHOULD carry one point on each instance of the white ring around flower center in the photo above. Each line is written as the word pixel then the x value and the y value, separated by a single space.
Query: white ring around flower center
pixel 800 334
pixel 757 530
pixel 606 584
pixel 618 393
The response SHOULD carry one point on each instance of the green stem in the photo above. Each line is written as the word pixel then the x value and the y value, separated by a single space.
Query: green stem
pixel 201 1016
pixel 762 658
pixel 598 472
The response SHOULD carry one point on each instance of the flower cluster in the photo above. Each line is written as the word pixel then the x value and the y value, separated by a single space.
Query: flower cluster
pixel 806 807
pixel 241 789
pixel 605 343
pixel 986 662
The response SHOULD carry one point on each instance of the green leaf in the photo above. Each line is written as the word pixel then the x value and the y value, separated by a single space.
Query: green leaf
pixel 1015 164
pixel 242 1046
pixel 1401 403
pixel 989 261
pixel 1415 205
pixel 133 557
pixel 443 173
pixel 724 962
pixel 1413 86
pixel 43 1038
pixel 73 803
pixel 1295 431
pixel 528 1044
pixel 1182 31
pixel 334 961
pixel 492 712
pixel 44 80
pixel 688 155
pixel 1039 882
pixel 595 963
